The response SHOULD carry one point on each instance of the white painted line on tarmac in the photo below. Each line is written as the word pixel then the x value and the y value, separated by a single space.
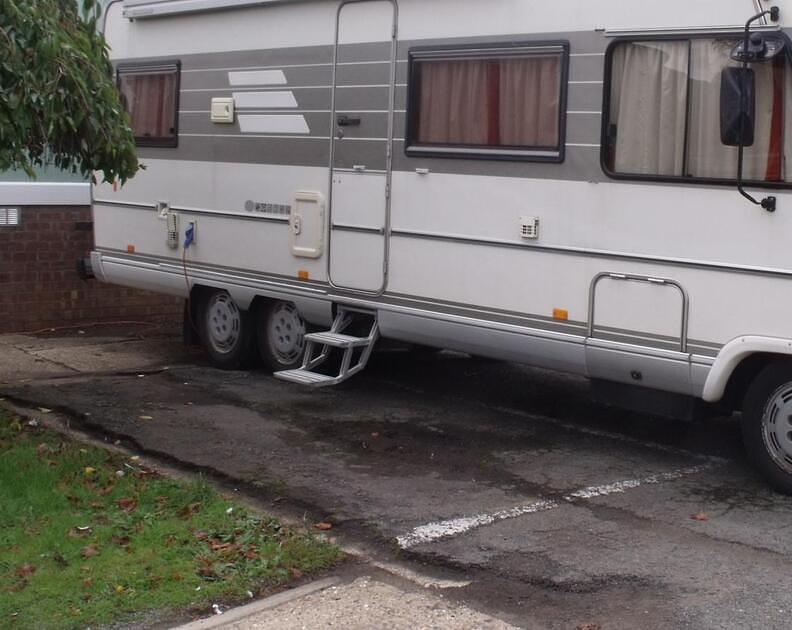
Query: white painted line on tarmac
pixel 456 526
pixel 629 484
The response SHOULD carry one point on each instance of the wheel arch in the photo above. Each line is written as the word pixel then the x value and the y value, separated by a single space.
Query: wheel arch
pixel 738 362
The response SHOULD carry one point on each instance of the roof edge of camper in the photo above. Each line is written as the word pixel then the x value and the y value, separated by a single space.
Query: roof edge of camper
pixel 687 30
pixel 141 9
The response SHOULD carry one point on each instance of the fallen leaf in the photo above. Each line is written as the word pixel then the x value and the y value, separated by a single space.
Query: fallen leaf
pixel 145 418
pixel 43 448
pixel 134 458
pixel 201 535
pixel 701 516
pixel 44 410
pixel 324 526
pixel 189 510
pixel 87 582
pixel 25 570
pixel 122 541
pixel 89 470
pixel 296 573
pixel 375 435
pixel 252 553
pixel 119 588
pixel 127 504
pixel 89 551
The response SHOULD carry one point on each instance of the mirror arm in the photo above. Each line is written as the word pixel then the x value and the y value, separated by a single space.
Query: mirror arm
pixel 769 202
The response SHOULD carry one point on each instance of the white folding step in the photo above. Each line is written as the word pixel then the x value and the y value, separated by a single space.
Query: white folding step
pixel 337 340
pixel 327 341
pixel 304 377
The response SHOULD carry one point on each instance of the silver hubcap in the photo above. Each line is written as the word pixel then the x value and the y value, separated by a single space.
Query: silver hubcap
pixel 286 333
pixel 777 427
pixel 224 323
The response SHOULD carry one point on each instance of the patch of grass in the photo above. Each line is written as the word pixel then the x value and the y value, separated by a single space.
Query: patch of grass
pixel 89 537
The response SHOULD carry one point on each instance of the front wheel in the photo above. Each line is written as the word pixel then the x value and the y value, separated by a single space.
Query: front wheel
pixel 226 331
pixel 767 424
pixel 280 332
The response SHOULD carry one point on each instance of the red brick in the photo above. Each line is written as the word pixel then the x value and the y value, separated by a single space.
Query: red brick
pixel 37 278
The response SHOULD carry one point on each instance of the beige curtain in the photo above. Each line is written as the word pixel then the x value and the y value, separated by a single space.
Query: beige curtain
pixel 507 102
pixel 648 96
pixel 707 155
pixel 453 107
pixel 150 100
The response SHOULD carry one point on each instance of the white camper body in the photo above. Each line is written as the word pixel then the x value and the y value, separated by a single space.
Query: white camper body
pixel 329 155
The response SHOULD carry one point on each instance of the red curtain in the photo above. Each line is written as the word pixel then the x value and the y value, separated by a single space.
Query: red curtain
pixel 151 101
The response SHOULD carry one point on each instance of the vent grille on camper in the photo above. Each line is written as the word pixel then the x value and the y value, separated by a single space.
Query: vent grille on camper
pixel 9 217
pixel 529 227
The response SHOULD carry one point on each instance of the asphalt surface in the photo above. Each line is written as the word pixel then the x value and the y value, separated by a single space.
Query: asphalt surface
pixel 545 509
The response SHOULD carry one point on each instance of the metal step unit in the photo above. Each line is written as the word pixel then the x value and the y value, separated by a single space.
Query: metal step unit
pixel 335 339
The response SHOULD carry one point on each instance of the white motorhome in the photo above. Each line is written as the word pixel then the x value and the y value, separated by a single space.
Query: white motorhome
pixel 598 187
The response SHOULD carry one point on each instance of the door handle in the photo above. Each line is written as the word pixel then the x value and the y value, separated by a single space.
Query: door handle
pixel 345 121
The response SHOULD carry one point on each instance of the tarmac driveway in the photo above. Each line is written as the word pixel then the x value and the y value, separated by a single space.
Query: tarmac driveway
pixel 540 506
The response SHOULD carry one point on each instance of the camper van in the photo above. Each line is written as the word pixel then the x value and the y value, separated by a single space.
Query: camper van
pixel 598 187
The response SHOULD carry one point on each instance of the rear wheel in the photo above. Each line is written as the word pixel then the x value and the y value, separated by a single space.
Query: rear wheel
pixel 226 331
pixel 280 332
pixel 767 424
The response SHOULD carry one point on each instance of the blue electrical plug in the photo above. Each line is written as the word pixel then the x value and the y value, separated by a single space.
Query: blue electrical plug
pixel 189 235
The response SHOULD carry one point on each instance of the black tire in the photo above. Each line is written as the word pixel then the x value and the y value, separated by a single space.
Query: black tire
pixel 227 332
pixel 767 424
pixel 280 335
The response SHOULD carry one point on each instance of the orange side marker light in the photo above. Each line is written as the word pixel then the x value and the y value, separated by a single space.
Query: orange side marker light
pixel 130 249
pixel 561 314
pixel 303 275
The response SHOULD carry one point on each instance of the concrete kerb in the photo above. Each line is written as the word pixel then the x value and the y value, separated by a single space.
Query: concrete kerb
pixel 242 612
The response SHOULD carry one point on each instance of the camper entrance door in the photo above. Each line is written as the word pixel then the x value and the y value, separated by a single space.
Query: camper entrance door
pixel 361 145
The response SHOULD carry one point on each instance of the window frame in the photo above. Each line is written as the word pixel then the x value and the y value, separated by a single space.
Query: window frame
pixel 414 149
pixel 675 179
pixel 150 67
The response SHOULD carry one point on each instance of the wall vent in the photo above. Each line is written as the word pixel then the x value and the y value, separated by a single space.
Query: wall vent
pixel 529 227
pixel 9 217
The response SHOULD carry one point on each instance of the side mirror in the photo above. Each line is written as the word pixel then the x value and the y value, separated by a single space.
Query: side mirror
pixel 737 106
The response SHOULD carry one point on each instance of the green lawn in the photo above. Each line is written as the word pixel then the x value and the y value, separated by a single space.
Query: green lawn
pixel 88 537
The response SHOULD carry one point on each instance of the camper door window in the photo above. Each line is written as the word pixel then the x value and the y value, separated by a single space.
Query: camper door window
pixel 150 94
pixel 662 115
pixel 488 102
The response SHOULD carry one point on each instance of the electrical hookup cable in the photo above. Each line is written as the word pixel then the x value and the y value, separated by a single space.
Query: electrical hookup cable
pixel 189 239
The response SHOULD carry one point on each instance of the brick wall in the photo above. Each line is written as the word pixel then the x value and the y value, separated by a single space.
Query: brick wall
pixel 39 286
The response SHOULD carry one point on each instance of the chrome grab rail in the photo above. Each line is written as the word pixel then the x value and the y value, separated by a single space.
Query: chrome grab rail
pixel 630 277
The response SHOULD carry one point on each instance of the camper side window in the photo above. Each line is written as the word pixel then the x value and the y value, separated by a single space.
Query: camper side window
pixel 151 96
pixel 488 102
pixel 662 116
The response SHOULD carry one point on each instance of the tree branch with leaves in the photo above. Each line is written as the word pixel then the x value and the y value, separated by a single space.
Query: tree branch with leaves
pixel 59 104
